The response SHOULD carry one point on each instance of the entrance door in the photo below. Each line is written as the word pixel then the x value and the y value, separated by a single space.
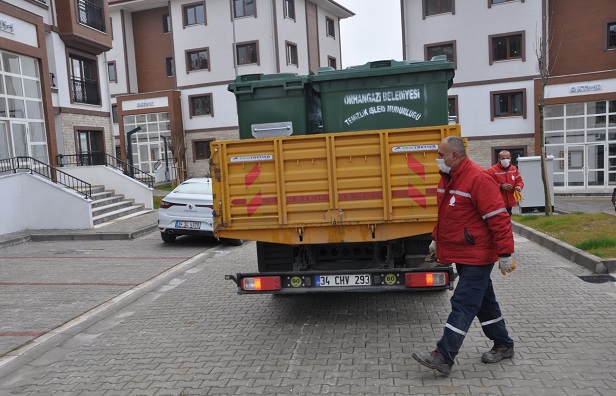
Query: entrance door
pixel 595 165
pixel 91 148
pixel 576 174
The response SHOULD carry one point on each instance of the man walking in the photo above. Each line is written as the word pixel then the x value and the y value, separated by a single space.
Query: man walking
pixel 473 231
pixel 508 178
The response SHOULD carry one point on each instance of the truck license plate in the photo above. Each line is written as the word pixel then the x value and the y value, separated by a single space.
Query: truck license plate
pixel 343 280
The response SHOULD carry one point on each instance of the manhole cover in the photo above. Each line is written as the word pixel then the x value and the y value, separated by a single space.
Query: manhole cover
pixel 598 278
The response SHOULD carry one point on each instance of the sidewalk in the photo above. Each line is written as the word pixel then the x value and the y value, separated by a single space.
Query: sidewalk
pixel 128 228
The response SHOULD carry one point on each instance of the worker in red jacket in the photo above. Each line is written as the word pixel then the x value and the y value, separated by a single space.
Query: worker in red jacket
pixel 473 231
pixel 508 178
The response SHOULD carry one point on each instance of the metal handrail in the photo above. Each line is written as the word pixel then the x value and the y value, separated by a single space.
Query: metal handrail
pixel 48 172
pixel 100 158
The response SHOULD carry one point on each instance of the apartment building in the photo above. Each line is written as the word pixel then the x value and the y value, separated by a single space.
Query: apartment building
pixel 53 82
pixel 172 61
pixel 496 47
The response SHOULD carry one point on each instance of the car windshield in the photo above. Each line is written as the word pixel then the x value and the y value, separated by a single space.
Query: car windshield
pixel 194 188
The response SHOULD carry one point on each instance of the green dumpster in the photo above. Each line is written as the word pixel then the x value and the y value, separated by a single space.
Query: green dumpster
pixel 280 104
pixel 385 94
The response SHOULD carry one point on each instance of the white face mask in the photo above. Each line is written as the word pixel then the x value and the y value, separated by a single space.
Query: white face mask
pixel 505 162
pixel 440 162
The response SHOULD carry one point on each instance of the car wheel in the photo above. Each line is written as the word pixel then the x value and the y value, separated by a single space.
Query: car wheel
pixel 233 242
pixel 167 238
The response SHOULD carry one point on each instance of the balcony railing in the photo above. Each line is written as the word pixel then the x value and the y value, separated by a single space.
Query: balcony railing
pixel 85 91
pixel 91 14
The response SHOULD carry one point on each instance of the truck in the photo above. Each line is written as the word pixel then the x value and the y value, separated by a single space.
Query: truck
pixel 334 176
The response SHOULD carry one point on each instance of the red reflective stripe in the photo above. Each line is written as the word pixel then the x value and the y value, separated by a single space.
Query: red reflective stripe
pixel 406 193
pixel 416 166
pixel 418 197
pixel 360 195
pixel 264 201
pixel 252 175
pixel 308 198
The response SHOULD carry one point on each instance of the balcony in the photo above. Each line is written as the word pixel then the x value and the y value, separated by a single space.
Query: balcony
pixel 85 91
pixel 83 25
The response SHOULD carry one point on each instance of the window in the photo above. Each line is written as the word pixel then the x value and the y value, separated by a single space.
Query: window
pixel 289 9
pixel 508 104
pixel 507 47
pixel 166 23
pixel 114 114
pixel 200 105
pixel 247 53
pixel 170 66
pixel 198 60
pixel 91 14
pixel 194 14
pixel 291 54
pixel 435 7
pixel 83 80
pixel 611 35
pixel 330 27
pixel 452 109
pixel 111 71
pixel 331 62
pixel 242 8
pixel 492 2
pixel 447 48
pixel 202 149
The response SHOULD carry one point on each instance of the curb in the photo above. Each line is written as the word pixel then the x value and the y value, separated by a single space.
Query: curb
pixel 571 253
pixel 106 236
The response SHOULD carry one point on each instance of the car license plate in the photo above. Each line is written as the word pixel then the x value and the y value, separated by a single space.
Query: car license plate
pixel 343 280
pixel 187 224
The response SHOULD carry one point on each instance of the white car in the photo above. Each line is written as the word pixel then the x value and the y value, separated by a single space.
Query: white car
pixel 187 210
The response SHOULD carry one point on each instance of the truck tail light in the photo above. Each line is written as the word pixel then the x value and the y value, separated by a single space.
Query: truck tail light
pixel 261 283
pixel 425 279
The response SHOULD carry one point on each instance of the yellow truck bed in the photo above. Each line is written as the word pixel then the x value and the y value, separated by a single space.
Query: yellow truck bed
pixel 328 188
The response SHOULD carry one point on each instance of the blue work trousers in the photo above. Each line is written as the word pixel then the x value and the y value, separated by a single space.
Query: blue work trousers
pixel 473 297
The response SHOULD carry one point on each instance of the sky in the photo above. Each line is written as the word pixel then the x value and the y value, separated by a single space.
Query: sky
pixel 374 33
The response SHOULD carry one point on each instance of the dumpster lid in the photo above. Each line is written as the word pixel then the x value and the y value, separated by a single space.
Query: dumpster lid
pixel 261 80
pixel 534 158
pixel 385 67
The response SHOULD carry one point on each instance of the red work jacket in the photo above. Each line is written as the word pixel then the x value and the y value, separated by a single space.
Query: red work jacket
pixel 510 175
pixel 473 225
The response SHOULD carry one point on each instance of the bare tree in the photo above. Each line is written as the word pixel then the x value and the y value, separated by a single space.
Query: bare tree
pixel 178 149
pixel 546 56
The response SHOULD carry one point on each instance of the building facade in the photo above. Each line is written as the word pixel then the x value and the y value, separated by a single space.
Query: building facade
pixel 53 84
pixel 500 67
pixel 172 62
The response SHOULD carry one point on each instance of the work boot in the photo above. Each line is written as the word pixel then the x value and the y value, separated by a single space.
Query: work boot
pixel 497 353
pixel 433 360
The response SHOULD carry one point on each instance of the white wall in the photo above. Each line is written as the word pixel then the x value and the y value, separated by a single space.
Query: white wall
pixel 470 28
pixel 114 180
pixel 32 203
pixel 329 46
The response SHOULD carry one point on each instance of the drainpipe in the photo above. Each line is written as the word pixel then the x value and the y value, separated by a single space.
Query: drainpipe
pixel 166 159
pixel 129 149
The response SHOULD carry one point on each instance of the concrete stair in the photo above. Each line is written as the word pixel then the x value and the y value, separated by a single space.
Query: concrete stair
pixel 108 207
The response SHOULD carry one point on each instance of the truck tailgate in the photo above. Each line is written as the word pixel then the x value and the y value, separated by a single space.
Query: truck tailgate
pixel 328 188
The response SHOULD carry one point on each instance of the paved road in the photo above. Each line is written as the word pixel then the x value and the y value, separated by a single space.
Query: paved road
pixel 187 332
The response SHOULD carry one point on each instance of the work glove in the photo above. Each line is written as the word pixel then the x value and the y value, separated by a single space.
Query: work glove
pixel 506 264
pixel 517 195
pixel 432 248
pixel 431 252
